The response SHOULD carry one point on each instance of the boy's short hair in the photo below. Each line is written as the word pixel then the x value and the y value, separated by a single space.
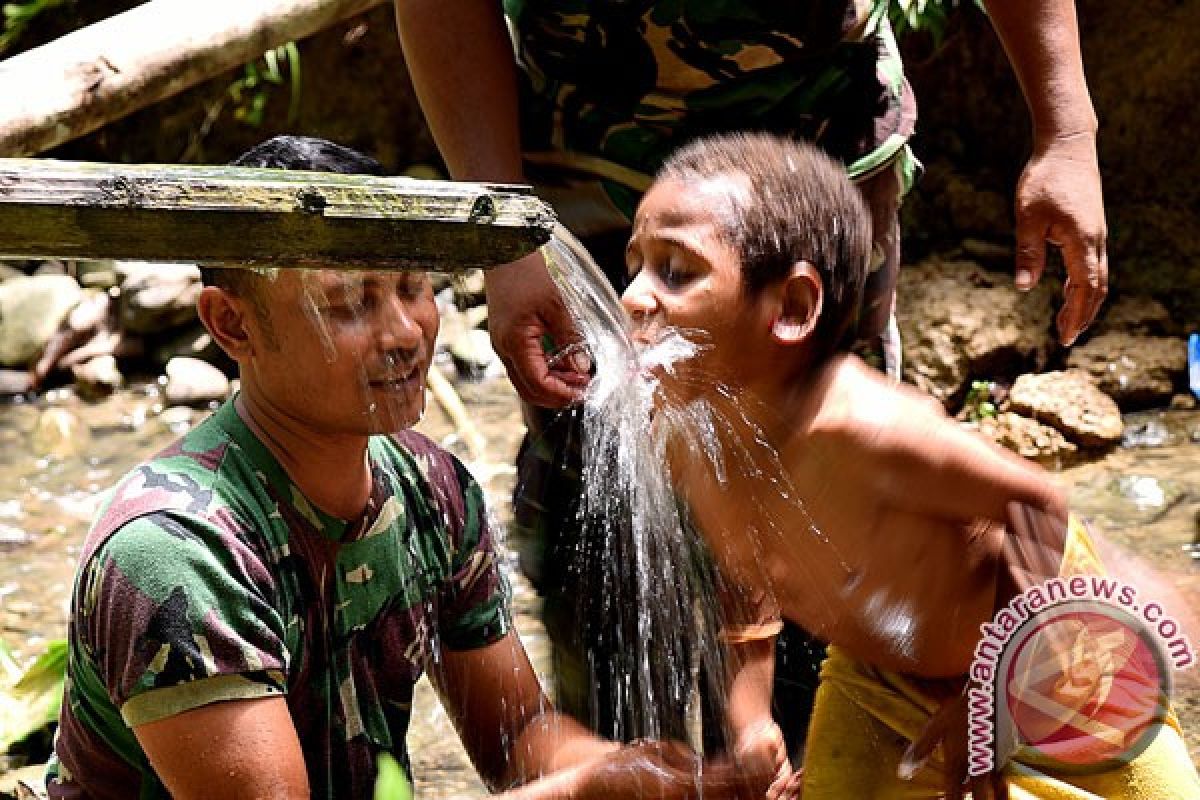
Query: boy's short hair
pixel 799 206
pixel 295 153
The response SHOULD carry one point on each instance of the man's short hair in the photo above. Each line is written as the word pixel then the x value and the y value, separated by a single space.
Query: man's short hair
pixel 798 205
pixel 295 153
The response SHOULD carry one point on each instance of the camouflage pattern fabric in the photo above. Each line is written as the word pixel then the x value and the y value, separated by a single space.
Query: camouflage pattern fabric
pixel 208 576
pixel 613 86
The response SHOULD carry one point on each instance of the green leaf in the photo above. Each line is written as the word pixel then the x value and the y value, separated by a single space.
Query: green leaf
pixel 32 702
pixel 390 780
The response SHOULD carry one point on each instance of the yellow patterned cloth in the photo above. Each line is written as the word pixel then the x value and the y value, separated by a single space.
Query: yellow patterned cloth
pixel 865 719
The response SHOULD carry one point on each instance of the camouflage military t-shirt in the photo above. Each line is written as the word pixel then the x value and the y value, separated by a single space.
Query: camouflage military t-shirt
pixel 613 86
pixel 208 576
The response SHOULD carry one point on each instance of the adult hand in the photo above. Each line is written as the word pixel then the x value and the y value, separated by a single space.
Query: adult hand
pixel 1059 201
pixel 660 769
pixel 524 306
pixel 947 729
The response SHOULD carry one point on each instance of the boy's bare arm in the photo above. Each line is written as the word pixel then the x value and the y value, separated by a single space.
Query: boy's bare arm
pixel 927 464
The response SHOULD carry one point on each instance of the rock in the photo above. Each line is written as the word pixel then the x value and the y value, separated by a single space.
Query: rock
pixel 1029 438
pixel 156 296
pixel 97 377
pixel 1070 402
pixel 193 342
pixel 191 381
pixel 24 783
pixel 8 272
pixel 15 381
pixel 177 419
pixel 958 320
pixel 1135 314
pixel 31 309
pixel 469 289
pixel 97 274
pixel 473 354
pixel 60 434
pixel 1182 402
pixel 51 267
pixel 1145 433
pixel 85 325
pixel 1136 371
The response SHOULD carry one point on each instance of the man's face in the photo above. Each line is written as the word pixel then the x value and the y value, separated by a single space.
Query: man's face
pixel 347 352
pixel 687 276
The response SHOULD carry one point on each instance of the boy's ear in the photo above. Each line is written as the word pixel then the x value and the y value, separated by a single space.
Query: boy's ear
pixel 799 305
pixel 224 316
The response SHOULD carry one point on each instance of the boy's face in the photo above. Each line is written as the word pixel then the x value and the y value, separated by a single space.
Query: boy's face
pixel 687 276
pixel 347 352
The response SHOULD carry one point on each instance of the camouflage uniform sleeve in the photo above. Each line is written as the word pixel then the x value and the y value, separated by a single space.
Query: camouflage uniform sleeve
pixel 474 606
pixel 176 613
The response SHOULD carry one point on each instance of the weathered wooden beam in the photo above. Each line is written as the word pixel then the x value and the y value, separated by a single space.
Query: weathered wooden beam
pixel 239 216
pixel 100 73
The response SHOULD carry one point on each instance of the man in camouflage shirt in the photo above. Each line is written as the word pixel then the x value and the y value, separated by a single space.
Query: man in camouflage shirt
pixel 255 603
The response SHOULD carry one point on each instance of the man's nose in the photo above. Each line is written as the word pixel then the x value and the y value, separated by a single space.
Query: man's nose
pixel 638 298
pixel 398 325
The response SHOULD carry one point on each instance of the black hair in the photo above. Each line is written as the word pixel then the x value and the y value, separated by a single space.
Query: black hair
pixel 293 153
pixel 798 205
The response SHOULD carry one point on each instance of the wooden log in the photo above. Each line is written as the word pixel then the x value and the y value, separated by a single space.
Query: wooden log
pixel 77 83
pixel 239 216
pixel 450 401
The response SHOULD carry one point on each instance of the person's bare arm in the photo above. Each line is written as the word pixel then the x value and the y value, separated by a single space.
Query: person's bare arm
pixel 233 749
pixel 463 69
pixel 516 739
pixel 1059 196
pixel 924 463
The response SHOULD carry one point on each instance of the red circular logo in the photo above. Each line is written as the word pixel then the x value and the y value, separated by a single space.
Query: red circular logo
pixel 1086 686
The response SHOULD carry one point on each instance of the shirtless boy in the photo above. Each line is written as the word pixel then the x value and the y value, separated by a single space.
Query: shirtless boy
pixel 888 530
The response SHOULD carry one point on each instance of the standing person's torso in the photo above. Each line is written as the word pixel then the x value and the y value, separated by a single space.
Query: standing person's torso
pixel 629 80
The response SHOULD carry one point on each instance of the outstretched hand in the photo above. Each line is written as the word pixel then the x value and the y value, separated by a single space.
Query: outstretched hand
pixel 661 769
pixel 524 307
pixel 1059 201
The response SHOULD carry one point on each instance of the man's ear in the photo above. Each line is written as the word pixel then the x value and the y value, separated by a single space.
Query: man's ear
pixel 799 305
pixel 224 316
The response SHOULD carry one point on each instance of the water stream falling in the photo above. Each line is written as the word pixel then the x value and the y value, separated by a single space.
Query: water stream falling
pixel 646 581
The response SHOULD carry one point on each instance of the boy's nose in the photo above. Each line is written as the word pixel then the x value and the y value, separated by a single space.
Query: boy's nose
pixel 638 298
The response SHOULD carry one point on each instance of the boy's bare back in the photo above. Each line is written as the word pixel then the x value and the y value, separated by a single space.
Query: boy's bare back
pixel 884 535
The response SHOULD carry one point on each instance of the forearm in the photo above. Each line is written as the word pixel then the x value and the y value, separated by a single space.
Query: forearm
pixel 462 67
pixel 1041 39
pixel 752 666
pixel 553 742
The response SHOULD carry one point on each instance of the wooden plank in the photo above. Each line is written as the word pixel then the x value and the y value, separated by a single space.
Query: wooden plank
pixel 100 73
pixel 239 216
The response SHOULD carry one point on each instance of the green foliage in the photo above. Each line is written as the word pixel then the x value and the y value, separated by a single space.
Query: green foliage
pixel 390 780
pixel 929 16
pixel 30 701
pixel 251 92
pixel 978 404
pixel 17 17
